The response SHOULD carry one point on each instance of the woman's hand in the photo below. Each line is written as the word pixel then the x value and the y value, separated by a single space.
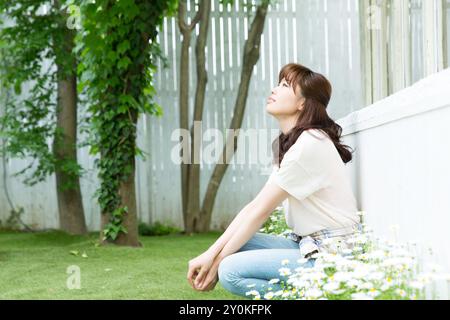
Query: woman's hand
pixel 199 267
pixel 211 278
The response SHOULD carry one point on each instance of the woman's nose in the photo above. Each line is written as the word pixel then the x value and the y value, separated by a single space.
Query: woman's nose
pixel 274 90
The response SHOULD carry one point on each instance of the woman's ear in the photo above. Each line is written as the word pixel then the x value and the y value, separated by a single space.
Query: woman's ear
pixel 301 104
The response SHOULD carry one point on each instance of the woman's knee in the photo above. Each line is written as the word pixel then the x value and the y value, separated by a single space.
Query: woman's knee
pixel 230 277
pixel 226 270
pixel 252 244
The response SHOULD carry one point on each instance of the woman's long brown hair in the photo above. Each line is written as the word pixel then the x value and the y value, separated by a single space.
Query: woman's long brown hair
pixel 316 90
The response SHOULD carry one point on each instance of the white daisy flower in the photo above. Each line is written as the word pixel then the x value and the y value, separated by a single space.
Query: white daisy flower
pixel 285 295
pixel 313 293
pixel 278 293
pixel 284 262
pixel 367 285
pixel 347 251
pixel 373 293
pixel 273 281
pixel 269 295
pixel 331 286
pixel 400 292
pixel 284 271
pixel 353 283
pixel 252 293
pixel 376 276
pixel 342 276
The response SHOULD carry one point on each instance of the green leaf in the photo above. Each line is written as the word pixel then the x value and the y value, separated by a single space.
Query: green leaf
pixel 123 63
pixel 128 100
pixel 122 109
pixel 17 88
pixel 112 56
pixel 93 150
pixel 149 91
pixel 124 46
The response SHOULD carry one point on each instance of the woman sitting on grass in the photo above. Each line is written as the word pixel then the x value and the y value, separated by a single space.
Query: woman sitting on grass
pixel 309 174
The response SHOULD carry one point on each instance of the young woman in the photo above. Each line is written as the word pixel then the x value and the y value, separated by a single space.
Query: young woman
pixel 309 174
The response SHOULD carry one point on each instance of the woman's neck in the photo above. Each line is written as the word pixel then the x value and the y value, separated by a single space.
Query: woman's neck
pixel 286 124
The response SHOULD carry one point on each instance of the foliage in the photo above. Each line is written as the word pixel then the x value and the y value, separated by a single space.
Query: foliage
pixel 31 32
pixel 14 221
pixel 117 49
pixel 156 229
pixel 276 224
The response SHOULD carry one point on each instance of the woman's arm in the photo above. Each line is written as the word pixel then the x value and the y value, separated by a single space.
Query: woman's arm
pixel 215 249
pixel 263 205
pixel 201 264
pixel 245 227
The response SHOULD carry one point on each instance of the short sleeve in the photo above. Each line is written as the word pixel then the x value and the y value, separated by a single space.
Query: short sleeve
pixel 272 175
pixel 299 175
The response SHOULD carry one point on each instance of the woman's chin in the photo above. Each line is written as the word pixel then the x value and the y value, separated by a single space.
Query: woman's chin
pixel 269 109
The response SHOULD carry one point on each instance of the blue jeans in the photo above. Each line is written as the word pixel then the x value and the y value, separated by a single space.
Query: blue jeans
pixel 257 262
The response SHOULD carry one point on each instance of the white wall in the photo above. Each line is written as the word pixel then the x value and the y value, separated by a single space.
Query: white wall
pixel 401 173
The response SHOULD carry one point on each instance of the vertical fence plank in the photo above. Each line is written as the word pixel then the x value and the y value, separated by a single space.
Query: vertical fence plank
pixel 400 46
pixel 434 36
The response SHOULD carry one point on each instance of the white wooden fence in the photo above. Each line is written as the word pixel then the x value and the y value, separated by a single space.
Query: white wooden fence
pixel 324 35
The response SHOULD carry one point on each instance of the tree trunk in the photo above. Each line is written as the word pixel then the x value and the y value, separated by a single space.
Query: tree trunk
pixel 184 124
pixel 199 219
pixel 70 205
pixel 190 172
pixel 127 188
pixel 193 207
pixel 251 57
pixel 127 193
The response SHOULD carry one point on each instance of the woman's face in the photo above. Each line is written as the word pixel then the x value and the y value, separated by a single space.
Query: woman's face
pixel 284 102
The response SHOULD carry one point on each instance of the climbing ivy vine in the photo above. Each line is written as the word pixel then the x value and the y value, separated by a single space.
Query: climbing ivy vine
pixel 117 49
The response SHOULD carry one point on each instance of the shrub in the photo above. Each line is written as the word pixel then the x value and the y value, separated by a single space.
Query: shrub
pixel 276 224
pixel 156 229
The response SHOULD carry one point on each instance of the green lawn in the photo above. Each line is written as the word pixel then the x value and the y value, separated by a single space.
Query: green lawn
pixel 34 266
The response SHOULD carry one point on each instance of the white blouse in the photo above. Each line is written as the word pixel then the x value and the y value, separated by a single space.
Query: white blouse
pixel 320 194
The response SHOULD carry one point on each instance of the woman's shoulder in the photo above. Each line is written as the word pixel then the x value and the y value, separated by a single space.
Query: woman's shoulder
pixel 311 138
pixel 311 146
pixel 317 134
pixel 306 142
